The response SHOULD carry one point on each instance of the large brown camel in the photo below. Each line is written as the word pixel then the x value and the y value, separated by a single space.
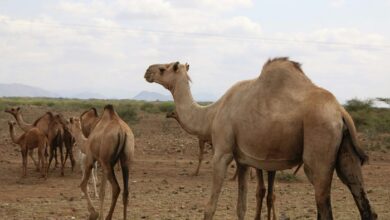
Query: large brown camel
pixel 43 123
pixel 273 122
pixel 81 142
pixel 109 142
pixel 260 191
pixel 28 141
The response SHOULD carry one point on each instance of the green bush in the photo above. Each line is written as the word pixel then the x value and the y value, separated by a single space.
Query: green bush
pixel 149 107
pixel 166 107
pixel 127 112
pixel 356 104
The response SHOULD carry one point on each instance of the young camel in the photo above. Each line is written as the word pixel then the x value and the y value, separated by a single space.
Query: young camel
pixel 28 141
pixel 43 123
pixel 273 122
pixel 109 142
pixel 202 141
pixel 260 191
pixel 81 142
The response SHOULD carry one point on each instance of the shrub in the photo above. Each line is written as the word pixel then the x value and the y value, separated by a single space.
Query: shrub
pixel 127 112
pixel 356 104
pixel 149 107
pixel 166 107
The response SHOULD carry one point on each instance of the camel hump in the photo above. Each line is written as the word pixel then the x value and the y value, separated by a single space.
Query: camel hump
pixel 110 109
pixel 279 60
pixel 350 126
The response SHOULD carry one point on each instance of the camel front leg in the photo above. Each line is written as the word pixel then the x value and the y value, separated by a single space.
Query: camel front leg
pixel 260 193
pixel 242 190
pixel 270 195
pixel 93 215
pixel 220 164
pixel 200 156
pixel 24 160
pixel 94 177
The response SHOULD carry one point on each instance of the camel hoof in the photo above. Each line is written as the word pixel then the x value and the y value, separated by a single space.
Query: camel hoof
pixel 93 216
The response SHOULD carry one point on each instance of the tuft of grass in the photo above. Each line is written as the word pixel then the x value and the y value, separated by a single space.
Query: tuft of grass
pixel 286 177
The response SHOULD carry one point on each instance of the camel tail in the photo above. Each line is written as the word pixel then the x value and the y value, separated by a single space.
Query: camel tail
pixel 118 148
pixel 297 169
pixel 352 134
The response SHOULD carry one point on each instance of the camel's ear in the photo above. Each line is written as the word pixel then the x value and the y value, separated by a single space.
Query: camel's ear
pixel 18 108
pixel 71 120
pixel 187 67
pixel 176 66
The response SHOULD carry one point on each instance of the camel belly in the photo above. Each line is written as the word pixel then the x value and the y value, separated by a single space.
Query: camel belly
pixel 275 145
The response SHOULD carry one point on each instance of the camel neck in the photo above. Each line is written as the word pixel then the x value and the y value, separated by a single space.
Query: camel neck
pixel 194 118
pixel 81 140
pixel 13 135
pixel 22 124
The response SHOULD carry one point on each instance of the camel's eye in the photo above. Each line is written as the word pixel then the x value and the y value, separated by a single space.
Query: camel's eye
pixel 162 70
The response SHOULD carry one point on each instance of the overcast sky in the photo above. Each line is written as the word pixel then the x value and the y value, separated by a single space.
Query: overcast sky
pixel 105 46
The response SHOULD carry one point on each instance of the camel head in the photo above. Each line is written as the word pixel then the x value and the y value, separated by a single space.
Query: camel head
pixel 11 124
pixel 59 118
pixel 167 74
pixel 74 125
pixel 13 111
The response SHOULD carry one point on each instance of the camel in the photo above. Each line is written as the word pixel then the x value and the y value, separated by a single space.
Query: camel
pixel 273 122
pixel 260 192
pixel 28 141
pixel 81 141
pixel 109 142
pixel 43 123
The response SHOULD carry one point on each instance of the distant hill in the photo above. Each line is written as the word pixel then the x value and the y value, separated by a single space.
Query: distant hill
pixel 152 96
pixel 88 95
pixel 21 90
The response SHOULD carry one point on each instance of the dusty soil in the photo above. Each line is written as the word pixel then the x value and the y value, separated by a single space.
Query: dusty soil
pixel 161 183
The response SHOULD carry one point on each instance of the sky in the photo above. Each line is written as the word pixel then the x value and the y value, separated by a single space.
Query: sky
pixel 104 47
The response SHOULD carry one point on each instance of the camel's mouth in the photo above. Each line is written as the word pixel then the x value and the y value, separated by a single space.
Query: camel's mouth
pixel 148 76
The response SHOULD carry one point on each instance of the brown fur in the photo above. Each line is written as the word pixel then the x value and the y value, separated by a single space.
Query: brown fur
pixel 273 122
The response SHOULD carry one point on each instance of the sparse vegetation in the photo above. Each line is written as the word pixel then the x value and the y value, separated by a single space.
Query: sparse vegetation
pixel 373 122
pixel 286 177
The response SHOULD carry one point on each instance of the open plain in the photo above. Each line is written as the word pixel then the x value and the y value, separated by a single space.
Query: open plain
pixel 161 181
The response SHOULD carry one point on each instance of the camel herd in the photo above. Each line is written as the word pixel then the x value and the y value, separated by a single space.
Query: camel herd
pixel 274 122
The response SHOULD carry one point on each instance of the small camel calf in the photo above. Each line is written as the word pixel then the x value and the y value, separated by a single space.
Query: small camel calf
pixel 81 142
pixel 31 139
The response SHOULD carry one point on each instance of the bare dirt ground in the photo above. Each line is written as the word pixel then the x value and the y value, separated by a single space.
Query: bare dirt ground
pixel 161 183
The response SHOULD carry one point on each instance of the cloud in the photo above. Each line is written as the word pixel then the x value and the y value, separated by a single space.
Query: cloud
pixel 105 47
pixel 337 3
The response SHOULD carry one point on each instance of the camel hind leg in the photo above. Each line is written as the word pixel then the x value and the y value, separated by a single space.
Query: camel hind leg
pixel 115 189
pixel 124 161
pixel 322 138
pixel 348 169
